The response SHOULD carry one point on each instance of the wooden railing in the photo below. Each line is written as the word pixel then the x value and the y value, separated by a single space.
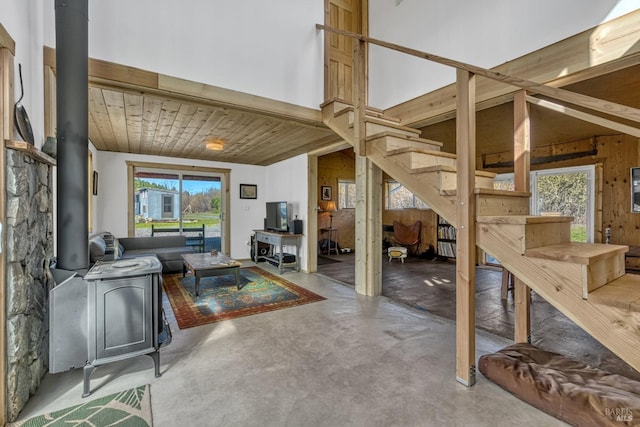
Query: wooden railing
pixel 465 171
pixel 594 104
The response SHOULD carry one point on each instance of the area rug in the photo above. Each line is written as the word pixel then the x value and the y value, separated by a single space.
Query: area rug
pixel 129 408
pixel 220 299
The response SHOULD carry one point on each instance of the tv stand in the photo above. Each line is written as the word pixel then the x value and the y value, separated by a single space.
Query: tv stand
pixel 276 241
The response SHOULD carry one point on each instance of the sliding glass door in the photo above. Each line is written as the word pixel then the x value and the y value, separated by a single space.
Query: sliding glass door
pixel 168 202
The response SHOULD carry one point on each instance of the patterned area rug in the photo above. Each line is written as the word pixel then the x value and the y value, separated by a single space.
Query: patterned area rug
pixel 130 408
pixel 220 299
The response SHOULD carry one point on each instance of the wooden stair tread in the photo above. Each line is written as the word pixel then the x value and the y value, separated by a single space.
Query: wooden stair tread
pixel 523 219
pixel 421 151
pixel 375 116
pixel 445 168
pixel 402 136
pixel 577 252
pixel 623 292
pixel 491 191
pixel 385 122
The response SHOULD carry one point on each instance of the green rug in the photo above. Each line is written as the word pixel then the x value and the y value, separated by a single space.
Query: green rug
pixel 130 408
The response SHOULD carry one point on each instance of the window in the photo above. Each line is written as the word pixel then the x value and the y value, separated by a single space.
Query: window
pixel 176 199
pixel 346 194
pixel 564 191
pixel 167 206
pixel 397 196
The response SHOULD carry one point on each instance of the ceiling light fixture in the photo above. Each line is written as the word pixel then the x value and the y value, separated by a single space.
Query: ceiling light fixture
pixel 215 144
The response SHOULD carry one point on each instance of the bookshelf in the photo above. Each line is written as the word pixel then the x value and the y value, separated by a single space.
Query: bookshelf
pixel 446 239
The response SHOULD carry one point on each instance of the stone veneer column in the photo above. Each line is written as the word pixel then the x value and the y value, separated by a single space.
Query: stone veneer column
pixel 29 248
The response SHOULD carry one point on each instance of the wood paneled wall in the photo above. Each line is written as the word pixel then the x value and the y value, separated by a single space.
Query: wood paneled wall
pixel 341 165
pixel 620 153
pixel 332 168
pixel 408 217
pixel 614 156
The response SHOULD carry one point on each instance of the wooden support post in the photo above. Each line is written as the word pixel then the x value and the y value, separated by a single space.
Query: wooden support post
pixel 359 96
pixel 6 130
pixel 522 304
pixel 521 176
pixel 312 214
pixel 466 231
pixel 368 228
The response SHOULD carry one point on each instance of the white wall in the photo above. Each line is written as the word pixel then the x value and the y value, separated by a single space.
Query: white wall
pixel 287 180
pixel 266 48
pixel 246 215
pixel 483 33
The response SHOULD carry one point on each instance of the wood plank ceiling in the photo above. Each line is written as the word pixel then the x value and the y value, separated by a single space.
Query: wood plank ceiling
pixel 142 123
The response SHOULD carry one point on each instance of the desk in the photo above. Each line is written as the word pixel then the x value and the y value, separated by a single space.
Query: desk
pixel 333 239
pixel 278 240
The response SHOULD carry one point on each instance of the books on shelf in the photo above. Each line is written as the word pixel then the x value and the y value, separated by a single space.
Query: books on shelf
pixel 447 249
pixel 447 233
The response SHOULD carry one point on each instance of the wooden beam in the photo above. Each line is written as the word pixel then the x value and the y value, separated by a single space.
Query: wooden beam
pixel 609 47
pixel 521 142
pixel 466 230
pixel 121 77
pixel 521 176
pixel 6 41
pixel 368 270
pixel 312 214
pixel 571 112
pixel 612 108
pixel 49 102
pixel 360 98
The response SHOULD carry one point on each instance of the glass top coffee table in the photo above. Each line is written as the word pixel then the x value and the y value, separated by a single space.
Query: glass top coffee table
pixel 207 265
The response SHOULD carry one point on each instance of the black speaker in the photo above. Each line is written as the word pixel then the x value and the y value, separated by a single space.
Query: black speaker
pixel 295 226
pixel 263 249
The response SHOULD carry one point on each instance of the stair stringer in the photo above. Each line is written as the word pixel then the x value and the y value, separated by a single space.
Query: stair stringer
pixel 426 186
pixel 558 283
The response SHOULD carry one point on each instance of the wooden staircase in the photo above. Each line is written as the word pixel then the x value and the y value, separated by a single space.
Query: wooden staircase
pixel 585 281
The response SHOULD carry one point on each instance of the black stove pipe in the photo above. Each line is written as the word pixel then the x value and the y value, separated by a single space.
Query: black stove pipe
pixel 72 93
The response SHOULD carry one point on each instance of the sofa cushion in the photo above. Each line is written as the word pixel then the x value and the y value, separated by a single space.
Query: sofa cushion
pixel 97 248
pixel 152 243
pixel 163 254
pixel 562 387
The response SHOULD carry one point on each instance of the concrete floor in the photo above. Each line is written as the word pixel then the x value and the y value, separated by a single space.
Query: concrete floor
pixel 430 286
pixel 347 361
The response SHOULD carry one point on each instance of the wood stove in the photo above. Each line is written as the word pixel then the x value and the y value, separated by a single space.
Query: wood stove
pixel 120 308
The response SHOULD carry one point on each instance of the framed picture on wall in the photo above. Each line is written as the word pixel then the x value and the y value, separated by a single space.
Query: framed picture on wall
pixel 635 189
pixel 248 191
pixel 95 183
pixel 325 192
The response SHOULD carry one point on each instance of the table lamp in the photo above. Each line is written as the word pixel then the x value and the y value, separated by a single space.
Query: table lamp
pixel 331 208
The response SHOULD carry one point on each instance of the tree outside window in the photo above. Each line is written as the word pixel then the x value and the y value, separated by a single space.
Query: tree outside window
pixel 346 194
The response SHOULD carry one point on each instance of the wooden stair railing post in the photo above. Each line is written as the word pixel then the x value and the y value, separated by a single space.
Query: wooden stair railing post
pixel 360 96
pixel 521 177
pixel 466 231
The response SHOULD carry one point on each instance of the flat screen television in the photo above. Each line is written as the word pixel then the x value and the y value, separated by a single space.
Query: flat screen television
pixel 277 219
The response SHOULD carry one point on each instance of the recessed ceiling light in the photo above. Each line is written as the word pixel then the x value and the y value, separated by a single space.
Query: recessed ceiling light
pixel 215 144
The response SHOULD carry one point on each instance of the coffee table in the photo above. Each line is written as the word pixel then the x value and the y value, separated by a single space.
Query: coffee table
pixel 207 265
